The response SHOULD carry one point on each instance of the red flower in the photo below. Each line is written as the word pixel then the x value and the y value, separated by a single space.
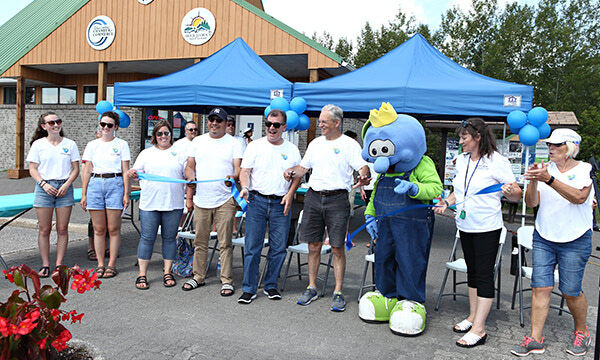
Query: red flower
pixel 60 343
pixel 4 328
pixel 87 281
pixel 42 343
pixel 25 327
pixel 55 314
pixel 9 276
pixel 76 318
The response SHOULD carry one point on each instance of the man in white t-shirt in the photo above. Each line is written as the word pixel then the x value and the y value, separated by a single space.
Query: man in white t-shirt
pixel 333 159
pixel 191 131
pixel 270 198
pixel 231 131
pixel 214 155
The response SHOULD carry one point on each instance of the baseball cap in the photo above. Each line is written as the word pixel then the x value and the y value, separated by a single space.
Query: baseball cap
pixel 219 112
pixel 248 130
pixel 563 135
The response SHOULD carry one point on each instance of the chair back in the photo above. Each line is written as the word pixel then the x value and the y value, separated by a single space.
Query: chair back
pixel 454 247
pixel 238 231
pixel 501 242
pixel 525 236
pixel 295 241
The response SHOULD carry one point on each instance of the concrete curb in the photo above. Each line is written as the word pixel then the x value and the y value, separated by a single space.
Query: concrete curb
pixel 33 224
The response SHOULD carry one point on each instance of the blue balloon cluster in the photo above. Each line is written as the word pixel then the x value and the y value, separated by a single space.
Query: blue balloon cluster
pixel 296 119
pixel 531 126
pixel 104 106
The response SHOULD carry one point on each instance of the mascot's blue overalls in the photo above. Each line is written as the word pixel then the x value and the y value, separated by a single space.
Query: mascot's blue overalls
pixel 396 145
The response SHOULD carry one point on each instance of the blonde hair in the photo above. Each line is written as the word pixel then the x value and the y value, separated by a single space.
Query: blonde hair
pixel 572 149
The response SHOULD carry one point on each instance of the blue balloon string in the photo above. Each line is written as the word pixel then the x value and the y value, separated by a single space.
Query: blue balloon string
pixel 486 190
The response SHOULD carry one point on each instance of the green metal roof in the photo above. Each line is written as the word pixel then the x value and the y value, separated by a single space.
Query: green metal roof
pixel 30 26
pixel 298 35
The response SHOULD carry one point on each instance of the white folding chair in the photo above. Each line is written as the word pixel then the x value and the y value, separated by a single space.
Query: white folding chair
pixel 525 241
pixel 190 234
pixel 369 259
pixel 240 241
pixel 455 265
pixel 302 249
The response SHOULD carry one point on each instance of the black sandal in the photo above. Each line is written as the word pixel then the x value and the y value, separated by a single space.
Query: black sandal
pixel 142 280
pixel 167 278
pixel 44 272
pixel 100 271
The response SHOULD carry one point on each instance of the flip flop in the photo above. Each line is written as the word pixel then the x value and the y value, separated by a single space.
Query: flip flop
pixel 227 290
pixel 192 283
pixel 100 271
pixel 462 327
pixel 472 340
pixel 44 272
pixel 142 280
pixel 167 278
pixel 111 271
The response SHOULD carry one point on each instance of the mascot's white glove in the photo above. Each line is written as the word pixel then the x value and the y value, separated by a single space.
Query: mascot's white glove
pixel 403 186
pixel 371 226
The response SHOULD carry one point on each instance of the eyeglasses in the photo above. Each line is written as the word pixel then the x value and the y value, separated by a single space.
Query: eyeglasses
pixel 218 120
pixel 54 122
pixel 557 145
pixel 276 125
pixel 161 133
pixel 108 125
pixel 192 130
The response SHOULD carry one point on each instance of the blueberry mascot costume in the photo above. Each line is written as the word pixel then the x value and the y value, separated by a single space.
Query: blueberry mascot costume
pixel 396 145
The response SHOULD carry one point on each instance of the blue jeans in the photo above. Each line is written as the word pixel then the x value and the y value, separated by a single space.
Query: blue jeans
pixel 169 223
pixel 261 211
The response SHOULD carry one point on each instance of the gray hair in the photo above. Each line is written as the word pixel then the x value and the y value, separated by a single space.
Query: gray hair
pixel 335 111
pixel 572 149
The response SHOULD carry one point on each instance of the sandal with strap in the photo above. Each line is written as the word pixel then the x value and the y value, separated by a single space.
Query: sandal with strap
pixel 227 290
pixel 92 255
pixel 44 272
pixel 100 271
pixel 191 285
pixel 169 278
pixel 111 271
pixel 472 340
pixel 463 327
pixel 142 280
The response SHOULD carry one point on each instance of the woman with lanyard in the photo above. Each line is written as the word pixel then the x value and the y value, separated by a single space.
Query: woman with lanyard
pixel 104 189
pixel 479 219
pixel 161 204
pixel 54 165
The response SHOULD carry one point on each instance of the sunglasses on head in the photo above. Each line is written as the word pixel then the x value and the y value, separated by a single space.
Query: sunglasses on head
pixel 108 125
pixel 559 144
pixel 466 123
pixel 54 122
pixel 218 120
pixel 161 133
pixel 276 125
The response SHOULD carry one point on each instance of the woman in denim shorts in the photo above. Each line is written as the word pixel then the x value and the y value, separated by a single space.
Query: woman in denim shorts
pixel 562 237
pixel 54 165
pixel 105 191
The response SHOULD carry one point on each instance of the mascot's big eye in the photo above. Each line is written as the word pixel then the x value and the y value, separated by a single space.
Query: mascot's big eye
pixel 379 148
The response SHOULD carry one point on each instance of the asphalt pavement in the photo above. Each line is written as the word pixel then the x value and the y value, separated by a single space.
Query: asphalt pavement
pixel 122 322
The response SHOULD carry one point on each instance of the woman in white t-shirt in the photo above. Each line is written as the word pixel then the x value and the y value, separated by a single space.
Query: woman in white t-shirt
pixel 479 220
pixel 562 237
pixel 105 191
pixel 161 204
pixel 54 165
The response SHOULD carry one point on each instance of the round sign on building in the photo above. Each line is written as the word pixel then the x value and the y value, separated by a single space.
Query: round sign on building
pixel 198 26
pixel 101 32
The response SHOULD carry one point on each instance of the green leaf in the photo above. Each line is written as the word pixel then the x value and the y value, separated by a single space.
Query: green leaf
pixel 51 297
pixel 19 280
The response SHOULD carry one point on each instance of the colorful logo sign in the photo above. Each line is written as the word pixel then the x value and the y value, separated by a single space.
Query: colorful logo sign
pixel 198 26
pixel 65 150
pixel 101 32
pixel 336 150
pixel 284 156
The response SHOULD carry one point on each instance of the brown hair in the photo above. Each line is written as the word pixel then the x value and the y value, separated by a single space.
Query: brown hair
pixel 475 126
pixel 113 115
pixel 41 132
pixel 278 113
pixel 157 126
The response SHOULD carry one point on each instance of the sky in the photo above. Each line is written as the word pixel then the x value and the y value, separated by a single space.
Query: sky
pixel 340 18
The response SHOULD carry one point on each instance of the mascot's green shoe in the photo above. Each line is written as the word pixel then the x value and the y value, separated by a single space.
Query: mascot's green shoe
pixel 408 318
pixel 375 308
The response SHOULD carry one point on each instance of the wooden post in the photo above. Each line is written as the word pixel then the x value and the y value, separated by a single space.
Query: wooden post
pixel 312 130
pixel 20 172
pixel 102 80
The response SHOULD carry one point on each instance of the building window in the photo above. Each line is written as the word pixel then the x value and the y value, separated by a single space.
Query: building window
pixel 10 95
pixel 62 95
pixel 49 95
pixel 90 93
pixel 110 93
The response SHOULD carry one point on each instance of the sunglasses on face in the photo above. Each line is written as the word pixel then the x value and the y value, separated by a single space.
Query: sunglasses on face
pixel 192 130
pixel 231 125
pixel 54 122
pixel 276 125
pixel 108 125
pixel 218 120
pixel 161 133
pixel 557 145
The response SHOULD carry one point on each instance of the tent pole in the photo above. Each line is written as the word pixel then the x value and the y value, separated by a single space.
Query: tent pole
pixel 504 152
pixel 525 182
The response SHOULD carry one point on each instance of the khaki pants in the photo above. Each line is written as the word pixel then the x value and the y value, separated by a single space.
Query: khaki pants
pixel 203 220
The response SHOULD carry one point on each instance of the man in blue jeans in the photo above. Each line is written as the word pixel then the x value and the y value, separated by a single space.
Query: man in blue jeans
pixel 270 198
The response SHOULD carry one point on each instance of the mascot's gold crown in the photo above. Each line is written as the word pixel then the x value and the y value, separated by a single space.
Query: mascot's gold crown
pixel 384 116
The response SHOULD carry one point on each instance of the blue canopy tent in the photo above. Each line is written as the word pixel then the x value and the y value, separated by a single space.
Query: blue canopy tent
pixel 417 79
pixel 235 76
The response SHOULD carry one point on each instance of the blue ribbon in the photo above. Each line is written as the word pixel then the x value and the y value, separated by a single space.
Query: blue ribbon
pixel 234 192
pixel 487 190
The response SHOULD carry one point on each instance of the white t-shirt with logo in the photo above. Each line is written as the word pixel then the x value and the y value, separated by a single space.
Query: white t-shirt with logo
pixel 268 163
pixel 214 160
pixel 54 162
pixel 106 156
pixel 332 162
pixel 183 145
pixel 482 212
pixel 558 219
pixel 161 196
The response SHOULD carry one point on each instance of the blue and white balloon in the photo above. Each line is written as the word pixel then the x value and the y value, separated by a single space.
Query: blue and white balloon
pixel 280 103
pixel 537 116
pixel 104 106
pixel 529 135
pixel 298 104
pixel 292 119
pixel 516 120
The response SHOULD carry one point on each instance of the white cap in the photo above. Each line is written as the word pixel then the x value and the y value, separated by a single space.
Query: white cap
pixel 563 135
pixel 248 129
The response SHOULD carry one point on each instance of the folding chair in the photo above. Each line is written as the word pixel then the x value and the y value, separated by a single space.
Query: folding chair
pixel 459 265
pixel 525 241
pixel 369 259
pixel 240 241
pixel 302 248
pixel 190 234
